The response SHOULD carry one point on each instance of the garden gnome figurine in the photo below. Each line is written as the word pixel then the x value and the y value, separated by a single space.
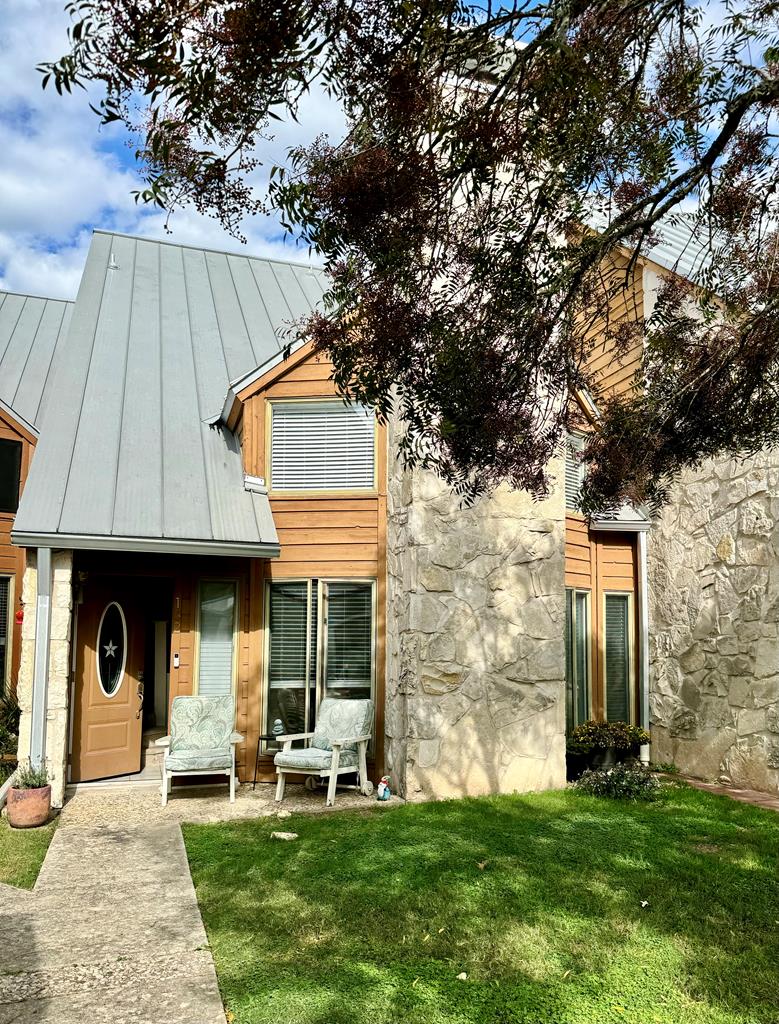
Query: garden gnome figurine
pixel 384 792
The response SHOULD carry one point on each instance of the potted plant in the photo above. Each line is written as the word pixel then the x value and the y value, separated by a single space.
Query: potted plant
pixel 29 798
pixel 602 744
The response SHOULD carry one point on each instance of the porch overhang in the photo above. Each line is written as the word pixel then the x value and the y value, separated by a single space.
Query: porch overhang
pixel 155 545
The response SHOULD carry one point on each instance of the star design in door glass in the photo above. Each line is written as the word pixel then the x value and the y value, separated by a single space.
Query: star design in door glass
pixel 110 649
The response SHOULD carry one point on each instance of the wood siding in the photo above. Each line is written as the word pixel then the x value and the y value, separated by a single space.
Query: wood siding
pixel 12 559
pixel 602 562
pixel 615 371
pixel 322 535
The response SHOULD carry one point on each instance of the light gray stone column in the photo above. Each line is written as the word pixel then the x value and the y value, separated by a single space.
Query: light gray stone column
pixel 714 625
pixel 475 638
pixel 57 693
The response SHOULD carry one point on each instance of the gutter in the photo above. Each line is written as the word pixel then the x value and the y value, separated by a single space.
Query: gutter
pixel 160 545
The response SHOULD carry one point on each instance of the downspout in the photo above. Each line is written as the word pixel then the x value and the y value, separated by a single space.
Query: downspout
pixel 40 679
pixel 643 643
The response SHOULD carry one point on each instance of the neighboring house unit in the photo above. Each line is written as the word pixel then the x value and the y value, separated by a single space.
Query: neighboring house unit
pixel 204 515
pixel 31 332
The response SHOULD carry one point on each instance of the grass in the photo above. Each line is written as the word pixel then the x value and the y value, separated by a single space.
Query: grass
pixel 21 853
pixel 370 916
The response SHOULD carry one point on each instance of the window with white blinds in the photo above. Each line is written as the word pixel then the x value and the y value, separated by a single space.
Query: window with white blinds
pixel 216 650
pixel 577 657
pixel 322 446
pixel 617 657
pixel 5 630
pixel 574 469
pixel 321 637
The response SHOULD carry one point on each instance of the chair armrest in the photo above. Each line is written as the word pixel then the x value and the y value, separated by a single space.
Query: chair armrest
pixel 237 737
pixel 287 739
pixel 163 741
pixel 351 739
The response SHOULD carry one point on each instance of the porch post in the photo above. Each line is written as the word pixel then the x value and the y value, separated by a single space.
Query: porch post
pixel 40 680
pixel 643 648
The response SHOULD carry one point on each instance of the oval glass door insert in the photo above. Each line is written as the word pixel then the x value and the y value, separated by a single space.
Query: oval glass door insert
pixel 111 651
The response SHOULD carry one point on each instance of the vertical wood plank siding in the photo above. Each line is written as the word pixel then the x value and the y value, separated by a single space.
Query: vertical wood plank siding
pixel 601 562
pixel 12 559
pixel 321 535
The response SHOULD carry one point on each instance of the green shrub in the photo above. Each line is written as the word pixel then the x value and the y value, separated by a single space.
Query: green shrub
pixel 28 777
pixel 9 724
pixel 622 782
pixel 590 736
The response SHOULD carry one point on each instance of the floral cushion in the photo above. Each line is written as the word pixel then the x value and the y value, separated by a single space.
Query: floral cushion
pixel 340 718
pixel 314 759
pixel 201 724
pixel 198 761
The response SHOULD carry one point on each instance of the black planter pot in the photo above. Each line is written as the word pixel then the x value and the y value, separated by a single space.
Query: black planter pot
pixel 604 758
pixel 575 765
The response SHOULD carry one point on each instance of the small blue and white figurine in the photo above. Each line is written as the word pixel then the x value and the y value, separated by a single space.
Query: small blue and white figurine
pixel 278 727
pixel 384 792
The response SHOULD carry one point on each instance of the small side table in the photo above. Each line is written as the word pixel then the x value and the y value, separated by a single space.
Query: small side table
pixel 265 737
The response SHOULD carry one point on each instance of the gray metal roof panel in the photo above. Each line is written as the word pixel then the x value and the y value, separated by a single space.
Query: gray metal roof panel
pixel 32 331
pixel 127 456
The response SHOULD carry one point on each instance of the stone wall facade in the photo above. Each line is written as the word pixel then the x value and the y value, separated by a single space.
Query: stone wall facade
pixel 57 728
pixel 714 623
pixel 475 699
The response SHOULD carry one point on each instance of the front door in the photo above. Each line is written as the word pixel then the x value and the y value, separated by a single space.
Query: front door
pixel 108 713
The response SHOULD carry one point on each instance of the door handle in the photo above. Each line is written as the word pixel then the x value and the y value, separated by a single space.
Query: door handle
pixel 140 698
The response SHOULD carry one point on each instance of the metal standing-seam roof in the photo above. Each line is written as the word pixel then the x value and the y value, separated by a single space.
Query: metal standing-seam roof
pixel 32 332
pixel 131 455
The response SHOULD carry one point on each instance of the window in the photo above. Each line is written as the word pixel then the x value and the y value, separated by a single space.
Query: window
pixel 111 648
pixel 322 446
pixel 574 469
pixel 5 631
pixel 10 474
pixel 577 657
pixel 618 666
pixel 320 643
pixel 216 643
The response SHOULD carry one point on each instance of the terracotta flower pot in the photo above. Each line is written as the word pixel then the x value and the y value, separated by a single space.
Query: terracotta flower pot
pixel 28 808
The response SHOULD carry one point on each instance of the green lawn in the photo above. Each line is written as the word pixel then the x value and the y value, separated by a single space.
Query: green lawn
pixel 369 917
pixel 21 853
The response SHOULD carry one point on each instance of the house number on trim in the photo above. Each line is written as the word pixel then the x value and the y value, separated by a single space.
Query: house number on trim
pixel 111 648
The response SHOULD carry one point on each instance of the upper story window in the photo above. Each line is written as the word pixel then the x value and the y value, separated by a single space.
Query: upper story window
pixel 322 446
pixel 574 469
pixel 10 474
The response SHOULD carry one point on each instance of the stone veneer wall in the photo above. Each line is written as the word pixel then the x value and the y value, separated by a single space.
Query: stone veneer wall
pixel 475 640
pixel 59 667
pixel 714 619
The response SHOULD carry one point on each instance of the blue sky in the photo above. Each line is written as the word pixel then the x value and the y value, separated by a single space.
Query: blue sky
pixel 61 175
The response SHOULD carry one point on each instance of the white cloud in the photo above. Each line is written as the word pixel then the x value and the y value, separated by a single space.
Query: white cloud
pixel 61 175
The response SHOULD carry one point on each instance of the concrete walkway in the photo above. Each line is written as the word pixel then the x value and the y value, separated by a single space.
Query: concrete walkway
pixel 111 933
pixel 745 796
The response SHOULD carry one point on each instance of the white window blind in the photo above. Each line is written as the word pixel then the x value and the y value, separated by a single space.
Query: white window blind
pixel 322 446
pixel 617 657
pixel 217 620
pixel 5 590
pixel 574 469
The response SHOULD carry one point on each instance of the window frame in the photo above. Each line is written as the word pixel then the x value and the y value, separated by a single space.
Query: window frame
pixel 236 629
pixel 321 642
pixel 8 512
pixel 5 677
pixel 587 593
pixel 572 437
pixel 343 492
pixel 631 654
